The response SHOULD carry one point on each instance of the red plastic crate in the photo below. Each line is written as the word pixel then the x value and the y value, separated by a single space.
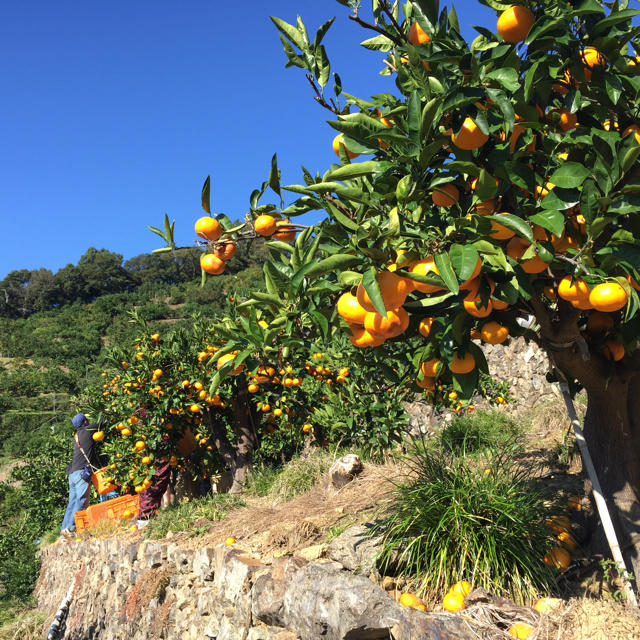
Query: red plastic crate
pixel 113 509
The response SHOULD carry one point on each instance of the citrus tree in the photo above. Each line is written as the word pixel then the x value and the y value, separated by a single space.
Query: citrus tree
pixel 498 197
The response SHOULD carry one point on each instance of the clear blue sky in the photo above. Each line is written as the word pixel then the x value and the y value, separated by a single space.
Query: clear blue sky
pixel 113 113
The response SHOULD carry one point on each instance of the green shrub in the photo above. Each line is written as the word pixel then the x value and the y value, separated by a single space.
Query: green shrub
pixel 479 431
pixel 461 518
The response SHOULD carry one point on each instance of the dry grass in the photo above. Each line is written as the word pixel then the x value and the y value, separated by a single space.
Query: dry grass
pixel 25 625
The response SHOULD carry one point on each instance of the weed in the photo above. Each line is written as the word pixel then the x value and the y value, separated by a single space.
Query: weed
pixel 478 432
pixel 299 475
pixel 261 479
pixel 335 531
pixel 563 452
pixel 614 577
pixel 458 517
pixel 182 516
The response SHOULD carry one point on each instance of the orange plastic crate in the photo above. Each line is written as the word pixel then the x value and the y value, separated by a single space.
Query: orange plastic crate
pixel 113 509
pixel 82 520
pixel 99 479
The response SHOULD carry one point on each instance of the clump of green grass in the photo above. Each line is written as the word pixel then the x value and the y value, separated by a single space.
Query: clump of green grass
pixel 479 431
pixel 260 480
pixel 478 519
pixel 300 474
pixel 182 516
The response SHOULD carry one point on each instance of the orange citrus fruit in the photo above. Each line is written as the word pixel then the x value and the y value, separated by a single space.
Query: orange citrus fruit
pixel 515 23
pixel 424 267
pixel 208 228
pixel 265 225
pixel 337 141
pixel 417 35
pixel 394 290
pixel 349 309
pixel 470 136
pixel 453 602
pixel 608 296
pixel 211 264
pixel 461 365
pixel 225 250
pixel 520 630
pixel 494 333
pixel 613 350
pixel 557 557
pixel 445 195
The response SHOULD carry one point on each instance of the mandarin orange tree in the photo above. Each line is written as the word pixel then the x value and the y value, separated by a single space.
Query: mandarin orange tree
pixel 498 197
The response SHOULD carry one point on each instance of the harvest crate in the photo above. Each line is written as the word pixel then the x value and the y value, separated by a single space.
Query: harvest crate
pixel 82 520
pixel 99 479
pixel 112 509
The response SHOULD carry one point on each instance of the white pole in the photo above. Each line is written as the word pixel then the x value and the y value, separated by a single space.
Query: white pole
pixel 601 504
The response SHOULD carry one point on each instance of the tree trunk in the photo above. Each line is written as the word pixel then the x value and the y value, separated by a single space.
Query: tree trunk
pixel 237 456
pixel 612 432
pixel 246 438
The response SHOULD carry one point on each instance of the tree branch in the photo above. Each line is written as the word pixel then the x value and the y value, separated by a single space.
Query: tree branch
pixel 374 27
pixel 319 98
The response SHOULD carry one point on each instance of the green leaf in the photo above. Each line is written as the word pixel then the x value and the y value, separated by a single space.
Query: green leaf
pixel 349 278
pixel 515 224
pixel 322 30
pixel 274 175
pixel 630 158
pixel 354 170
pixel 300 275
pixel 282 247
pixel 504 104
pixel 206 196
pixel 341 217
pixel 428 114
pixel 158 232
pixel 506 77
pixel 324 67
pixel 320 321
pixel 336 262
pixel 486 188
pixel 588 6
pixel 613 19
pixel 291 33
pixel 569 175
pixel 551 220
pixel 463 259
pixel 543 26
pixel 613 87
pixel 270 298
pixel 414 116
pixel 530 79
pixel 370 284
pixel 446 271
pixel 163 250
pixel 429 301
pixel 379 43
pixel 403 188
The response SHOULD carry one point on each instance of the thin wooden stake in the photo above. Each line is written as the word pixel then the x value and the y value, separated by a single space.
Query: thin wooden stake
pixel 601 504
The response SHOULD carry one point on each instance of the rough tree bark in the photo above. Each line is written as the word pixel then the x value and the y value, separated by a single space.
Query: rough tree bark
pixel 611 425
pixel 239 454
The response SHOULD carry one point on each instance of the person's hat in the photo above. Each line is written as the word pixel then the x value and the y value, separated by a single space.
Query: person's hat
pixel 78 420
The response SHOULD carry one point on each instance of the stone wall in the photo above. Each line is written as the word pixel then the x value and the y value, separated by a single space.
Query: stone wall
pixel 523 365
pixel 126 587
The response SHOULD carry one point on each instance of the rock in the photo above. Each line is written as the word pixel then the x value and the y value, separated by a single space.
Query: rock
pixel 355 550
pixel 344 470
pixel 203 563
pixel 337 605
pixel 313 552
pixel 269 588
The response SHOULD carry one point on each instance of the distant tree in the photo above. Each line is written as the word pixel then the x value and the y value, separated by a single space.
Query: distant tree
pixel 24 292
pixel 98 272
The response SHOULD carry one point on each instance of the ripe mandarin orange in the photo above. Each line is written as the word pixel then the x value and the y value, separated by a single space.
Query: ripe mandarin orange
pixel 470 136
pixel 211 264
pixel 265 225
pixel 208 228
pixel 515 23
pixel 445 195
pixel 337 141
pixel 608 296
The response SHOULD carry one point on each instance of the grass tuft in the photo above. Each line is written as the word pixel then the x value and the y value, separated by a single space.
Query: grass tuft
pixel 300 474
pixel 478 519
pixel 479 431
pixel 183 516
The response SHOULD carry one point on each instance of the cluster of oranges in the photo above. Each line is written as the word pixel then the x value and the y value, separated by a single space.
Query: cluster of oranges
pixel 221 248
